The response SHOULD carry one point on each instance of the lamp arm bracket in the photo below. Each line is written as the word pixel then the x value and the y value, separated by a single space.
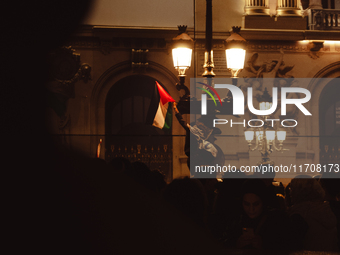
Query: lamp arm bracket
pixel 280 148
pixel 255 147
pixel 252 149
pixel 277 148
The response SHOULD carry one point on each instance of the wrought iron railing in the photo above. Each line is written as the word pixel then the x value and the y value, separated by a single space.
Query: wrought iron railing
pixel 324 19
pixel 153 150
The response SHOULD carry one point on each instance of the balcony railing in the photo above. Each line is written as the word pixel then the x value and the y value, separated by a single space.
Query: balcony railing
pixel 288 3
pixel 288 8
pixel 324 19
pixel 257 7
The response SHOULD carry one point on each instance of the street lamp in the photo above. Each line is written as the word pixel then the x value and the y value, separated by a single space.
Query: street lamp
pixel 265 141
pixel 235 51
pixel 265 136
pixel 182 59
pixel 182 46
pixel 182 51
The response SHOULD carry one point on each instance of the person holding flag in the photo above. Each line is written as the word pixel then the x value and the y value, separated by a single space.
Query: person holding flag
pixel 203 151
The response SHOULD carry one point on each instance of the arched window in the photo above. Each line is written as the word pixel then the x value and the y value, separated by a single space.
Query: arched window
pixel 329 123
pixel 127 134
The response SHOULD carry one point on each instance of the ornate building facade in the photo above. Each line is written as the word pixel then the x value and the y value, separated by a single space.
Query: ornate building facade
pixel 101 82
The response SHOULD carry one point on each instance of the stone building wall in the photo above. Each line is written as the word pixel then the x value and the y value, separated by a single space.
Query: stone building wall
pixel 114 53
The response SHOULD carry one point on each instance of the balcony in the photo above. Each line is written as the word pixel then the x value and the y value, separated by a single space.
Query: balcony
pixel 324 19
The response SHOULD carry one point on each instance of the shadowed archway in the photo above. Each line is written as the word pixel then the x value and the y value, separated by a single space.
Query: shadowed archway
pixel 127 134
pixel 329 123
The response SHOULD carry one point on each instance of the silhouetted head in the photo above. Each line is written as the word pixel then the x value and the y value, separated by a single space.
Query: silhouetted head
pixel 330 182
pixel 305 188
pixel 189 197
pixel 120 164
pixel 266 177
pixel 157 180
pixel 140 171
pixel 254 197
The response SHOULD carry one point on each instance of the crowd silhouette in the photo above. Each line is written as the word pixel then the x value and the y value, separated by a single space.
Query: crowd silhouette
pixel 61 202
pixel 250 213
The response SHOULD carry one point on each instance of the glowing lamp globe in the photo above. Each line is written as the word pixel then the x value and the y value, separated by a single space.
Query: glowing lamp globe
pixel 235 51
pixel 182 46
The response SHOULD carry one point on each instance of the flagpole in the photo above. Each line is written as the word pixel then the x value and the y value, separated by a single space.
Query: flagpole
pixel 99 147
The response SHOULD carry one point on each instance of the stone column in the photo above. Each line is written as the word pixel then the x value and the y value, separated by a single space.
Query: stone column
pixel 289 7
pixel 256 7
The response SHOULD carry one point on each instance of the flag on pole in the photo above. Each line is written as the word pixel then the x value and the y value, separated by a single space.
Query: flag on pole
pixel 98 148
pixel 160 114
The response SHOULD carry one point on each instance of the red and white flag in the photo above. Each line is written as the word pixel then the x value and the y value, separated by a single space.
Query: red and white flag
pixel 161 100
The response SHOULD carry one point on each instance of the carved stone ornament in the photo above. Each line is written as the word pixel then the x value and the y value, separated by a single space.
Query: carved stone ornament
pixel 277 68
pixel 65 66
pixel 64 71
pixel 263 76
pixel 314 49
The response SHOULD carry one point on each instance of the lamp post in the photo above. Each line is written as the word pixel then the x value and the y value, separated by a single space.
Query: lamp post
pixel 208 55
pixel 182 46
pixel 235 51
pixel 235 46
pixel 266 135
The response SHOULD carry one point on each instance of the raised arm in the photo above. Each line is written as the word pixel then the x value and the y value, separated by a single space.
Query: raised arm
pixel 179 117
pixel 276 68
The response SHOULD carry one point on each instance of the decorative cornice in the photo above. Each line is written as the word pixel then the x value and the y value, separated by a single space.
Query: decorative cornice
pixel 247 33
pixel 108 39
pixel 275 46
pixel 157 38
pixel 107 45
pixel 275 34
pixel 288 35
